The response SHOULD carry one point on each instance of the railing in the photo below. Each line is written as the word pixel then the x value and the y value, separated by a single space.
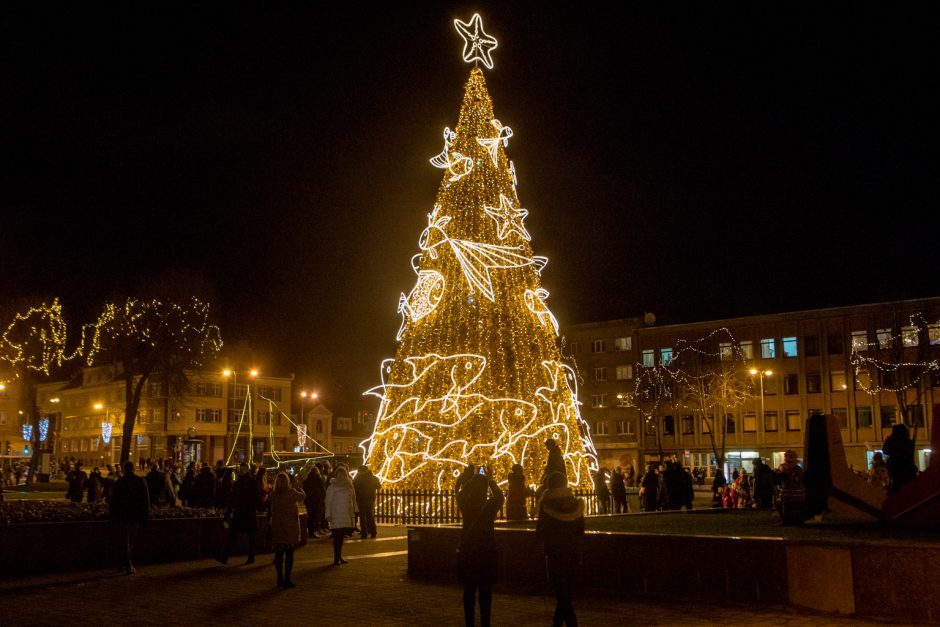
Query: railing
pixel 438 507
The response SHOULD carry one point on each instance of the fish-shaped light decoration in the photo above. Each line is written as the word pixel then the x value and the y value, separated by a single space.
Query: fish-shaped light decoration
pixel 503 133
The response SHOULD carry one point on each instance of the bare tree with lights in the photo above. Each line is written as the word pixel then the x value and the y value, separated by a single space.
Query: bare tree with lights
pixel 156 338
pixel 33 344
pixel 654 391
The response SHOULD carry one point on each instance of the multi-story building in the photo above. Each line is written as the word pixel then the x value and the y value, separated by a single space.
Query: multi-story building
pixel 337 434
pixel 803 365
pixel 223 415
pixel 12 437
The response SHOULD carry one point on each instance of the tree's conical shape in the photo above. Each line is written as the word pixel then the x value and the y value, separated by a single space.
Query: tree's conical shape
pixel 478 376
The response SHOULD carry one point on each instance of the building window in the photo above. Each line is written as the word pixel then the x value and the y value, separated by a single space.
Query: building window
pixel 575 348
pixel 729 422
pixel 264 418
pixel 665 356
pixel 598 400
pixel 811 345
pixel 669 425
pixel 688 425
pixel 770 421
pixel 863 417
pixel 791 384
pixel 623 343
pixel 319 426
pixel 206 388
pixel 863 379
pixel 270 393
pixel 841 416
pixel 650 426
pixel 600 374
pixel 767 348
pixel 747 349
pixel 624 372
pixel 859 341
pixel 837 381
pixel 344 424
pixel 706 424
pixel 884 338
pixel 623 400
pixel 749 423
pixel 241 390
pixel 915 415
pixel 909 336
pixel 889 415
pixel 625 427
pixel 208 415
pixel 933 334
pixel 834 342
pixel 724 351
pixel 793 421
pixel 598 346
pixel 649 358
pixel 600 427
pixel 813 383
pixel 789 347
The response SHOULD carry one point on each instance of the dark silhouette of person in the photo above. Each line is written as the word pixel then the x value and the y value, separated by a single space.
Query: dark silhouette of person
pixel 204 487
pixel 366 485
pixel 602 491
pixel 285 527
pixel 77 480
pixel 555 463
pixel 128 510
pixel 516 494
pixel 650 485
pixel 479 500
pixel 899 447
pixel 763 485
pixel 618 491
pixel 314 501
pixel 242 514
pixel 560 527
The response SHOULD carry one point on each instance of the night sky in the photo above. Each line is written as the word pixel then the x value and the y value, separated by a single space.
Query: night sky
pixel 698 164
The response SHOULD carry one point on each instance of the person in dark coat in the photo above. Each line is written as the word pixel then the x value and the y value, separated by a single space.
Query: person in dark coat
pixel 763 485
pixel 366 485
pixel 555 463
pixel 650 485
pixel 242 513
pixel 719 483
pixel 107 483
pixel 479 500
pixel 128 510
pixel 602 491
pixel 618 491
pixel 899 447
pixel 516 494
pixel 77 480
pixel 188 485
pixel 95 486
pixel 314 501
pixel 468 472
pixel 560 527
pixel 204 488
pixel 156 486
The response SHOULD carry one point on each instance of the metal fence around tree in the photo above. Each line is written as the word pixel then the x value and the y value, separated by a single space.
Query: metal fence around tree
pixel 430 507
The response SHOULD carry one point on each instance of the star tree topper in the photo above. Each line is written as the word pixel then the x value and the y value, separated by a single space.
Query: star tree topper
pixel 508 219
pixel 477 45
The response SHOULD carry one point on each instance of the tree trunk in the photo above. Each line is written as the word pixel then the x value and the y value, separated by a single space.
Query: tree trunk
pixel 132 391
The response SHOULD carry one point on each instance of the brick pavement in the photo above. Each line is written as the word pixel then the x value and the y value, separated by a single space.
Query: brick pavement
pixel 372 589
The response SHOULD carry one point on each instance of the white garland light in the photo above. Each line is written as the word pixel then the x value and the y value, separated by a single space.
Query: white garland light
pixel 477 45
pixel 28 433
pixel 43 429
pixel 508 220
pixel 503 133
pixel 535 301
pixel 106 428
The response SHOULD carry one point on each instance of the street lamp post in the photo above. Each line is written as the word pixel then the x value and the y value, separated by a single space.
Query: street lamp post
pixel 762 373
pixel 251 374
pixel 304 394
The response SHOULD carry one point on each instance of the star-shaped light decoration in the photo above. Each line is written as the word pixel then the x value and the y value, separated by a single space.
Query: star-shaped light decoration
pixel 508 219
pixel 477 45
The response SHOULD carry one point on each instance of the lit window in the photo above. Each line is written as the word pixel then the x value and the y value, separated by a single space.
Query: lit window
pixel 747 350
pixel 598 346
pixel 600 374
pixel 649 358
pixel 793 421
pixel 623 343
pixel 859 341
pixel 623 400
pixel 884 338
pixel 770 421
pixel 789 347
pixel 624 372
pixel 688 425
pixel 837 381
pixel 909 336
pixel 665 356
pixel 768 349
pixel 863 379
pixel 750 423
pixel 933 334
pixel 724 351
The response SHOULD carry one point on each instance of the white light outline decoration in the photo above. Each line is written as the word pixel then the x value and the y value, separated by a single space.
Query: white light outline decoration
pixel 476 259
pixel 535 301
pixel 457 404
pixel 457 165
pixel 508 220
pixel 43 429
pixel 423 298
pixel 503 133
pixel 442 160
pixel 106 430
pixel 477 45
pixel 301 435
pixel 512 175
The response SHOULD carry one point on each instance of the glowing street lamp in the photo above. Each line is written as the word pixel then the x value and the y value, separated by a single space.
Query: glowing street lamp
pixel 304 395
pixel 763 373
pixel 250 374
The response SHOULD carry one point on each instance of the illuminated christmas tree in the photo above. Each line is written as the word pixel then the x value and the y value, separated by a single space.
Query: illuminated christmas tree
pixel 478 376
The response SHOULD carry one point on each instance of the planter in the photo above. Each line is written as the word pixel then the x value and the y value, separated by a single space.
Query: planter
pixel 37 548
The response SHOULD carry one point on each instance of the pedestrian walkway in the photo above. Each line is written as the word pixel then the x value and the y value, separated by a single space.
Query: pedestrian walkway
pixel 372 589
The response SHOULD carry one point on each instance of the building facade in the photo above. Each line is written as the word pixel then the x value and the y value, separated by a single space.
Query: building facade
pixel 802 363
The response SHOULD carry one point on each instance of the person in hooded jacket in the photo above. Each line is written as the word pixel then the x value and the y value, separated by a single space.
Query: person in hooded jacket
pixel 560 527
pixel 285 527
pixel 480 501
pixel 340 510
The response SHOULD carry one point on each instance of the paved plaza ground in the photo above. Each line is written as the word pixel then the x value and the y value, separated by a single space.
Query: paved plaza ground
pixel 372 589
